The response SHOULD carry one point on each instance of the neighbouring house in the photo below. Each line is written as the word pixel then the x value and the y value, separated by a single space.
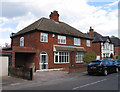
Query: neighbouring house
pixel 101 45
pixel 49 43
pixel 116 42
pixel 5 59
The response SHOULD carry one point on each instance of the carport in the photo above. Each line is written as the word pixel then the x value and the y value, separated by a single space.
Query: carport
pixel 23 56
pixel 24 59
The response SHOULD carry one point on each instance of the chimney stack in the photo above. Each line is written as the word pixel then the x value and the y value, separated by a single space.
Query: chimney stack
pixel 55 16
pixel 12 34
pixel 91 32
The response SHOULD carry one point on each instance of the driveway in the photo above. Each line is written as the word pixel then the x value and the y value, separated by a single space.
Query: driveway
pixel 49 75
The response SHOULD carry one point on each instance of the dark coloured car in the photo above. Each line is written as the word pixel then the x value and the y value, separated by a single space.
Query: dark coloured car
pixel 117 62
pixel 102 67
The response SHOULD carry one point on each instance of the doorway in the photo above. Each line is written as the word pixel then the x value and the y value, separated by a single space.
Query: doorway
pixel 43 64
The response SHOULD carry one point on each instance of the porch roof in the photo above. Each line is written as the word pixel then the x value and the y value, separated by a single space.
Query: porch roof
pixel 23 49
pixel 69 48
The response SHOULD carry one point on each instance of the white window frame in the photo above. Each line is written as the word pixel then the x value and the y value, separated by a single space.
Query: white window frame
pixel 88 43
pixel 45 37
pixel 61 39
pixel 77 41
pixel 22 41
pixel 111 47
pixel 79 57
pixel 62 55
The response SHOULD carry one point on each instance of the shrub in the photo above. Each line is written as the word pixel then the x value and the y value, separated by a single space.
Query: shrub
pixel 90 56
pixel 117 57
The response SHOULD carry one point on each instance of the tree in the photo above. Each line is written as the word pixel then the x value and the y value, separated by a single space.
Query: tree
pixel 90 56
pixel 113 36
pixel 118 54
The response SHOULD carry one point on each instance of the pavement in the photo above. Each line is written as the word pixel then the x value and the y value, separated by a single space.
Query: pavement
pixel 40 77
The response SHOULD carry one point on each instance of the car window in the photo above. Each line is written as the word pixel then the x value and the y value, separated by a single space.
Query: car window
pixel 92 63
pixel 118 60
pixel 107 62
pixel 111 62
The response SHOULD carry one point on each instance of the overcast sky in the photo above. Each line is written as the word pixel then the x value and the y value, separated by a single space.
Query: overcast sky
pixel 81 14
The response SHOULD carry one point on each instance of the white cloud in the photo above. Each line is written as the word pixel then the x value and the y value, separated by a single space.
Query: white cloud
pixel 7 30
pixel 114 3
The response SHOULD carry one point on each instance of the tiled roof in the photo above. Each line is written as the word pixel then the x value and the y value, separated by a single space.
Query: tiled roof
pixel 116 41
pixel 99 38
pixel 49 25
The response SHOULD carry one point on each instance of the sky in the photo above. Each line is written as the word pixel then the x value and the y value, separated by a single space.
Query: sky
pixel 101 15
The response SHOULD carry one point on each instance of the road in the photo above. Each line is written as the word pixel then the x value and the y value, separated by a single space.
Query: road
pixel 79 82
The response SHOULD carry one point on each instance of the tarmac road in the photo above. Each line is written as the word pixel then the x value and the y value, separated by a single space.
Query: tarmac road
pixel 84 82
pixel 75 81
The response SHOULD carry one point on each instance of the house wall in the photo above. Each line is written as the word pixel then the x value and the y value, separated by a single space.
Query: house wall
pixel 96 47
pixel 4 65
pixel 117 50
pixel 109 49
pixel 33 40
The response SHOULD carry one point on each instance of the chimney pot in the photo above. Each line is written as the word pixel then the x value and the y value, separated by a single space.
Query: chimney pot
pixel 55 11
pixel 55 16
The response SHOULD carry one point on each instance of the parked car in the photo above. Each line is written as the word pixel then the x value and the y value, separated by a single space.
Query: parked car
pixel 117 62
pixel 102 67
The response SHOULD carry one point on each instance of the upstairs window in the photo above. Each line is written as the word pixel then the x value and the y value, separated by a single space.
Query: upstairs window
pixel 76 41
pixel 22 41
pixel 88 43
pixel 44 37
pixel 61 39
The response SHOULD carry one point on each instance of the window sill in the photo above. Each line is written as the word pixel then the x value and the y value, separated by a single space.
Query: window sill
pixel 77 44
pixel 79 62
pixel 43 42
pixel 61 43
pixel 61 63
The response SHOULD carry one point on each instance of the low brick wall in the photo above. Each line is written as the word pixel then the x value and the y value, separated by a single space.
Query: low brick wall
pixel 77 68
pixel 25 73
pixel 82 69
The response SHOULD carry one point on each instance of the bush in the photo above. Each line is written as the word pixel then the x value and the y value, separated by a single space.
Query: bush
pixel 90 56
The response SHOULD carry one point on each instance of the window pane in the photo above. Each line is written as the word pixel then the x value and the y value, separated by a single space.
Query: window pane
pixel 61 39
pixel 56 58
pixel 44 37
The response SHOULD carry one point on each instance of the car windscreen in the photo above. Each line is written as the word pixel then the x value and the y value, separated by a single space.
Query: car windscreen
pixel 95 63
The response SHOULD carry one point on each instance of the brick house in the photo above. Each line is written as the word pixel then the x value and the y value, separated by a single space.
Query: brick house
pixel 116 42
pixel 49 43
pixel 101 45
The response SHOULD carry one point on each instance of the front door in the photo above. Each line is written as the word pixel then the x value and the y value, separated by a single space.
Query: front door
pixel 43 61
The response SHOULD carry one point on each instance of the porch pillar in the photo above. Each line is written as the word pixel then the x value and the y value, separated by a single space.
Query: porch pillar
pixel 71 59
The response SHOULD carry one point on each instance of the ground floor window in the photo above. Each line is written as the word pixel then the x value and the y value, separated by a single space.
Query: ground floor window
pixel 61 57
pixel 79 57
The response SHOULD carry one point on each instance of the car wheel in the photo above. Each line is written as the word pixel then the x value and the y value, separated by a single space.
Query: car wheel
pixel 116 70
pixel 89 73
pixel 105 72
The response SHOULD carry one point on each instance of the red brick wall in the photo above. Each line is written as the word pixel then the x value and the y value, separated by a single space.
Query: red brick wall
pixel 33 40
pixel 117 50
pixel 96 47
